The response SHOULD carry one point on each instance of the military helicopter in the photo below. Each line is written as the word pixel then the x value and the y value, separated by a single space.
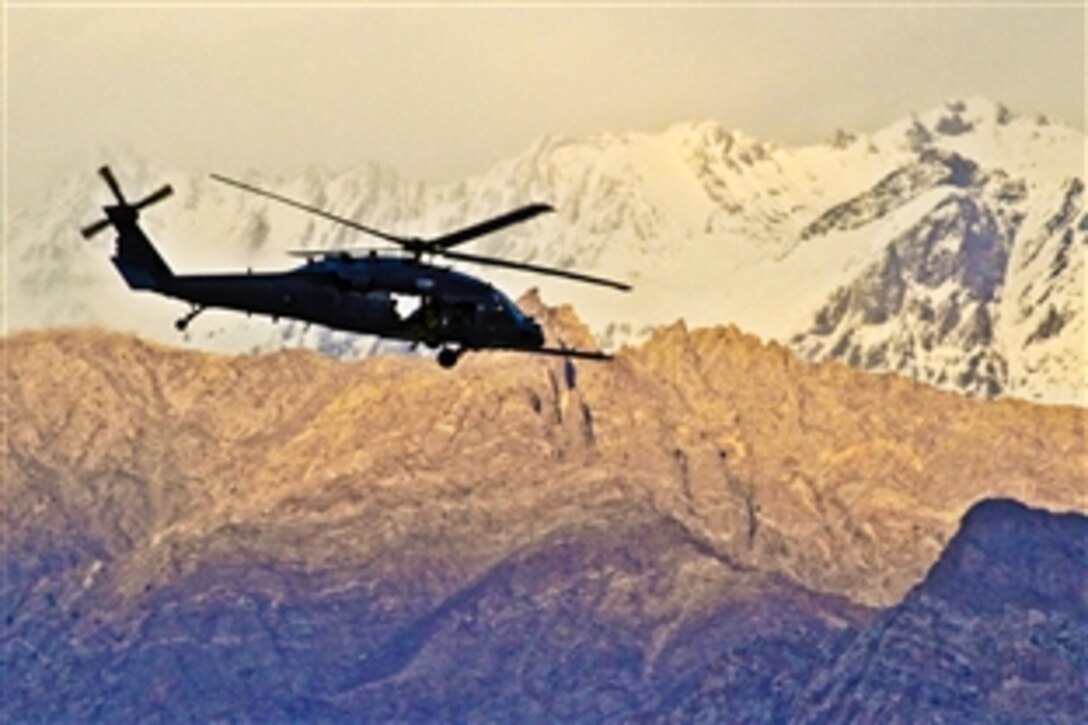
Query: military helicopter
pixel 346 290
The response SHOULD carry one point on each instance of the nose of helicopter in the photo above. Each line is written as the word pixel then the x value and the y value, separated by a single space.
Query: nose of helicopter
pixel 532 335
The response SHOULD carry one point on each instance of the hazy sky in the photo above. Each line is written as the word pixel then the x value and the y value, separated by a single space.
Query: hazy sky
pixel 441 93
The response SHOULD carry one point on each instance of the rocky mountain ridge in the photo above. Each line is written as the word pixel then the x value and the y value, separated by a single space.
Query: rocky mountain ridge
pixel 1009 591
pixel 737 439
pixel 289 536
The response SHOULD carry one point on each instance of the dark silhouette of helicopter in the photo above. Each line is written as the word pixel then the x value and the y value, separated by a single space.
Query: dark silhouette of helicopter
pixel 457 313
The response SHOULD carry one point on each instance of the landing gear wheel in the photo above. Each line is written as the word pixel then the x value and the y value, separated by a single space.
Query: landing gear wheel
pixel 448 357
pixel 183 322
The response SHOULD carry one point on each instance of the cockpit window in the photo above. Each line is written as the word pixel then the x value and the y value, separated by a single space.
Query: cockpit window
pixel 503 303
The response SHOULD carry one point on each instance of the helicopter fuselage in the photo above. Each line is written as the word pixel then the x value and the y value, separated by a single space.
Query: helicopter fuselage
pixel 358 295
pixel 455 312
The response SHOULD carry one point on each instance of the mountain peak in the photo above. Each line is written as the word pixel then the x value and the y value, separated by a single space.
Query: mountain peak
pixel 976 106
pixel 562 326
pixel 703 132
pixel 959 116
pixel 942 124
pixel 970 117
pixel 995 634
pixel 1008 554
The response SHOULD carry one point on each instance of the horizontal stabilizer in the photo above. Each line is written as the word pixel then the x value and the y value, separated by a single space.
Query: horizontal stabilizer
pixel 563 352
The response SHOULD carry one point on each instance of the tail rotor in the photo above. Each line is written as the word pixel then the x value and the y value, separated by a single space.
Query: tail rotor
pixel 122 212
pixel 111 181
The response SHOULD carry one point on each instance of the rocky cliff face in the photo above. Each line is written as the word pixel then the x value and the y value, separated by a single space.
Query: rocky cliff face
pixel 291 536
pixel 997 631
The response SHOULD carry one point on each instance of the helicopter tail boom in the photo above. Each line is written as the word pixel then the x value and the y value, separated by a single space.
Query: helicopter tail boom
pixel 140 278
pixel 138 261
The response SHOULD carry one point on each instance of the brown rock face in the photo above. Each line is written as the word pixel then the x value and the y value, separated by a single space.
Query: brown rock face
pixel 846 482
pixel 371 528
pixel 995 633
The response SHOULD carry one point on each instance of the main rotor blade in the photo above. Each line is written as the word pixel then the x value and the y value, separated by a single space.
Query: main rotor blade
pixel 351 251
pixel 525 213
pixel 551 271
pixel 402 241
pixel 111 181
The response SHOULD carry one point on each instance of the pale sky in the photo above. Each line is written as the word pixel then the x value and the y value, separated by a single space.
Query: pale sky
pixel 442 93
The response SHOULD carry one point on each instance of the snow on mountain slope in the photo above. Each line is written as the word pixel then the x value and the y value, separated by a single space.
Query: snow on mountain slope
pixel 986 293
pixel 928 299
pixel 1043 309
pixel 967 207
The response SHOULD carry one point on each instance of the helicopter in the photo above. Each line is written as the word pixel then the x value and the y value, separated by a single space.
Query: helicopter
pixel 345 290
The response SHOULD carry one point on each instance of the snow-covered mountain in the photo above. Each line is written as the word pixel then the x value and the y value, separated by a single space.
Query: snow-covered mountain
pixel 984 291
pixel 948 246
